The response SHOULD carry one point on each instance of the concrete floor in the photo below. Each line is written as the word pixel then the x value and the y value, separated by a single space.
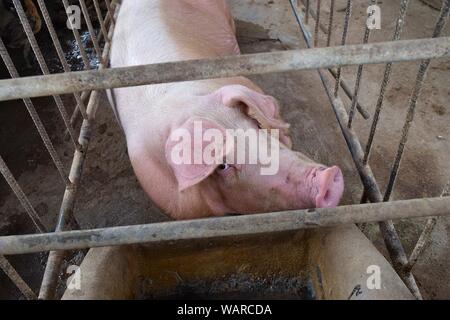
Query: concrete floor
pixel 110 195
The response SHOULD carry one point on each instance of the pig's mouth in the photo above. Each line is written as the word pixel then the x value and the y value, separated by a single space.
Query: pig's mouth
pixel 327 187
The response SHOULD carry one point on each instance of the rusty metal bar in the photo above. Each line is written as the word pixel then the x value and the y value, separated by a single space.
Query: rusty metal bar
pixel 224 226
pixel 34 116
pixel 425 236
pixel 59 50
pixel 316 29
pixel 313 14
pixel 362 110
pixel 230 66
pixel 330 22
pixel 359 75
pixel 14 276
pixel 421 75
pixel 53 267
pixel 90 27
pixel 43 65
pixel 110 10
pixel 348 13
pixel 372 190
pixel 100 21
pixel 23 199
pixel 386 78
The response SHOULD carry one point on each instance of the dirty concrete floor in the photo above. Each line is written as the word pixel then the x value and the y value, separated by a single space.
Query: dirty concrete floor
pixel 110 195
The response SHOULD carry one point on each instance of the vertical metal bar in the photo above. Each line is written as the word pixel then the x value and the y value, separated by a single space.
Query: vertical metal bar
pixel 421 75
pixel 23 199
pixel 35 117
pixel 359 74
pixel 344 85
pixel 425 236
pixel 100 20
pixel 386 78
pixel 87 18
pixel 53 267
pixel 110 11
pixel 316 29
pixel 330 23
pixel 348 13
pixel 43 65
pixel 12 274
pixel 59 50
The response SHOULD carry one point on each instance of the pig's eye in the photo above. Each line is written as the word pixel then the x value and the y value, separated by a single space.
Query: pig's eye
pixel 223 168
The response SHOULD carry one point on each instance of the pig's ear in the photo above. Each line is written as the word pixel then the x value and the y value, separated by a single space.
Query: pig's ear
pixel 262 108
pixel 185 155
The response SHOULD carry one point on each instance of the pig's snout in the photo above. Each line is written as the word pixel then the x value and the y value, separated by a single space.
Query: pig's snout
pixel 330 186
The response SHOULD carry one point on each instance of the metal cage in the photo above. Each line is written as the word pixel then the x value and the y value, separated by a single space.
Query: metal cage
pixel 328 61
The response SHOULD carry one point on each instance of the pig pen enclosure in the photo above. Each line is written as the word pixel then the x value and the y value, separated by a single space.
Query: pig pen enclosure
pixel 386 91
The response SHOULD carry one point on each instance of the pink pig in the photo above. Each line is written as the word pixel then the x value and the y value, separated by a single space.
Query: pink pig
pixel 172 30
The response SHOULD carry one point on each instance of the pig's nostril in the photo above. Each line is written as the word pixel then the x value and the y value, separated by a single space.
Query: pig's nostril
pixel 331 185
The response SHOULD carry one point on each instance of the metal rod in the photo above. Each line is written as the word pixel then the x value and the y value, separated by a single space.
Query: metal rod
pixel 35 117
pixel 59 50
pixel 330 23
pixel 424 238
pixel 316 29
pixel 224 226
pixel 110 10
pixel 91 30
pixel 23 199
pixel 349 93
pixel 55 258
pixel 359 75
pixel 313 15
pixel 100 21
pixel 223 67
pixel 333 72
pixel 348 13
pixel 43 65
pixel 14 276
pixel 421 75
pixel 386 78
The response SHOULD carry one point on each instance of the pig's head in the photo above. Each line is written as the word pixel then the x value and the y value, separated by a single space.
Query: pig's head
pixel 207 168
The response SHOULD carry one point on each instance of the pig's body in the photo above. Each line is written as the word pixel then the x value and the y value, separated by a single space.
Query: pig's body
pixel 172 30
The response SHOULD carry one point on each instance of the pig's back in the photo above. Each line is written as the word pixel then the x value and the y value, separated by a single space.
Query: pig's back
pixel 172 30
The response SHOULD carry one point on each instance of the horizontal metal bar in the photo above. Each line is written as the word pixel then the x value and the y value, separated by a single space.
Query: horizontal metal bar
pixel 225 226
pixel 223 67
